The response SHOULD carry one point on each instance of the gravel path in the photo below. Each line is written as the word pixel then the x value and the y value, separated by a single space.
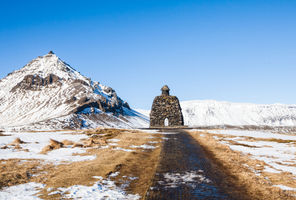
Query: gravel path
pixel 184 172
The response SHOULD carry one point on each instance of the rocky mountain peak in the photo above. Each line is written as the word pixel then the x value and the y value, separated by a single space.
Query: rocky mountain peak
pixel 50 92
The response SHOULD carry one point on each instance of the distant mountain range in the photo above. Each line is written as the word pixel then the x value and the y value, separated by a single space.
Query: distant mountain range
pixel 47 93
pixel 214 113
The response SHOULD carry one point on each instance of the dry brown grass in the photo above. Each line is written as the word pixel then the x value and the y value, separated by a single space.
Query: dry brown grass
pixel 276 140
pixel 139 163
pixel 14 171
pixel 106 132
pixel 67 142
pixel 134 164
pixel 240 180
pixel 240 144
pixel 17 141
pixel 53 145
pixel 263 139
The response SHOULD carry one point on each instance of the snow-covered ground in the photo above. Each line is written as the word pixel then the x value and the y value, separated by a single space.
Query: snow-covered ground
pixel 34 142
pixel 27 191
pixel 31 146
pixel 218 113
pixel 277 151
pixel 102 189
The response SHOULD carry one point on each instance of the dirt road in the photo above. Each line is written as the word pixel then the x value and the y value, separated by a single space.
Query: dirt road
pixel 184 172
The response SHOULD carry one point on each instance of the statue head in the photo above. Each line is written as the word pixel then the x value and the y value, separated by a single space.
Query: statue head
pixel 165 91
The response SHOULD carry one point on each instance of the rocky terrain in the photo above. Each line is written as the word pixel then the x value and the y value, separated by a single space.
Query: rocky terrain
pixel 47 93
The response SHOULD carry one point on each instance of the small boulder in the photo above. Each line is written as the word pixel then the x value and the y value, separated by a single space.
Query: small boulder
pixel 17 141
pixel 67 142
pixel 46 149
pixel 77 145
pixel 55 144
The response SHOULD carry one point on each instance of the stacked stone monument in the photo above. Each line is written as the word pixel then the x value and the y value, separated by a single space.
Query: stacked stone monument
pixel 166 108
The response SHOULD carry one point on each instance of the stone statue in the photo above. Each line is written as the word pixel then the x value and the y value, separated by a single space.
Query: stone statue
pixel 166 110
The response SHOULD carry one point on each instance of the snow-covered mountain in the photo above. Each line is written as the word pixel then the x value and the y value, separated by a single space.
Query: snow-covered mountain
pixel 214 113
pixel 49 94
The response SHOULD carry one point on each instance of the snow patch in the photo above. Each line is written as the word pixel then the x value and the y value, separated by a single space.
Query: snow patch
pixel 190 178
pixel 143 146
pixel 122 149
pixel 113 140
pixel 25 191
pixel 36 141
pixel 102 189
pixel 283 187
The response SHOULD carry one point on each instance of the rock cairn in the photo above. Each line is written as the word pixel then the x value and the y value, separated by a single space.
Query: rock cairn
pixel 165 107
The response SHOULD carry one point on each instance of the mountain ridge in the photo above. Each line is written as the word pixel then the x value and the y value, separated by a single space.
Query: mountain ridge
pixel 49 93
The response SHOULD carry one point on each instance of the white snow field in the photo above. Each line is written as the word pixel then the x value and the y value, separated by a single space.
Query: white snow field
pixel 218 113
pixel 278 151
pixel 36 141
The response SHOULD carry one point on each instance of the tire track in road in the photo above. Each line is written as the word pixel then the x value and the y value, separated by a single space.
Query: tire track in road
pixel 184 172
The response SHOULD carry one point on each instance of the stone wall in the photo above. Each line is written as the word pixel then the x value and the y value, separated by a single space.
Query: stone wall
pixel 163 107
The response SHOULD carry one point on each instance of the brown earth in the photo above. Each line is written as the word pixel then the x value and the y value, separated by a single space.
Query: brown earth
pixel 16 171
pixel 239 179
pixel 239 171
pixel 138 163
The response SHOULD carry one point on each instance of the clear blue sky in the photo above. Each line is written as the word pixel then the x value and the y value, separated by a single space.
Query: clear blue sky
pixel 240 51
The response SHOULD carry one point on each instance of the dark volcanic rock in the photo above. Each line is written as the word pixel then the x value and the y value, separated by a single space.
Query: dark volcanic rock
pixel 78 81
pixel 166 107
pixel 35 82
pixel 103 105
pixel 126 105
pixel 83 100
pixel 72 100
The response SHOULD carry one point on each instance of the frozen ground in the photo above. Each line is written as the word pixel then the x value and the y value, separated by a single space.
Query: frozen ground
pixel 102 189
pixel 33 144
pixel 26 191
pixel 36 141
pixel 276 150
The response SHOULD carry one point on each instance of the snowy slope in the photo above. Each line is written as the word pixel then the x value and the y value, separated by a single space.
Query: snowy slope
pixel 207 113
pixel 49 94
pixel 213 113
